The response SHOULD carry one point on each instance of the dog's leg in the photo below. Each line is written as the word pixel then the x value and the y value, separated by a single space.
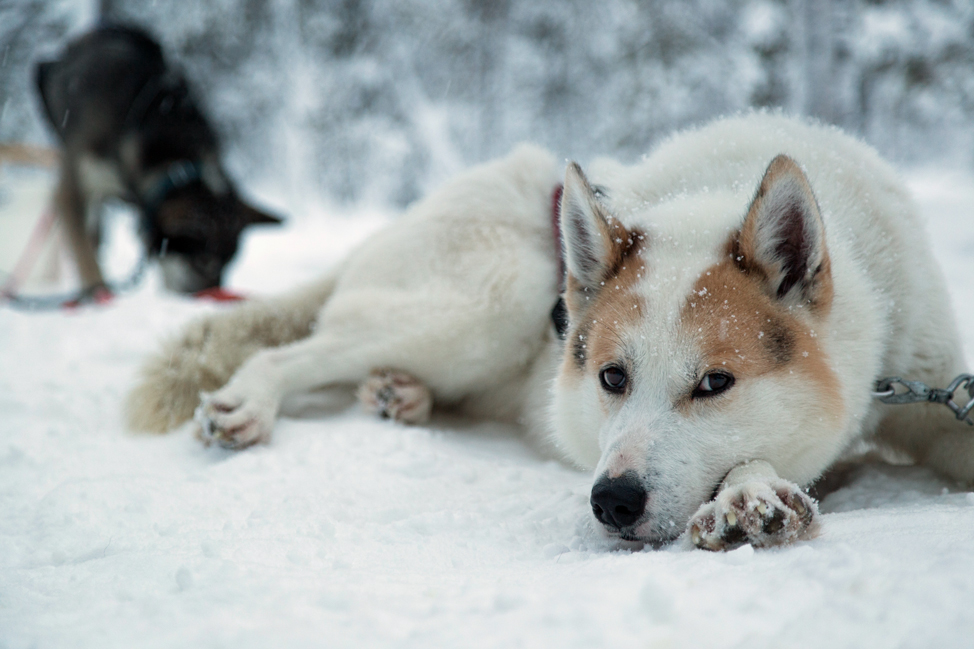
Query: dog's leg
pixel 396 395
pixel 931 435
pixel 211 349
pixel 753 506
pixel 951 452
pixel 243 411
pixel 930 432
pixel 452 354
pixel 71 209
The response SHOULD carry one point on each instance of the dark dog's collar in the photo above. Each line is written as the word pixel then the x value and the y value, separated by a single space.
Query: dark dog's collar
pixel 177 175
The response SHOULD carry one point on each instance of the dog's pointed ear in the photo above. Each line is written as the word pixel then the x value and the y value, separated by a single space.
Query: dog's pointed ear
pixel 782 241
pixel 593 240
pixel 253 216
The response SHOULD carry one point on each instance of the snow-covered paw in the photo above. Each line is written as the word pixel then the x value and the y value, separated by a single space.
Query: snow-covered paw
pixel 233 421
pixel 760 513
pixel 392 394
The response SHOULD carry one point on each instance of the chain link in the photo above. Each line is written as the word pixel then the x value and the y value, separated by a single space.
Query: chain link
pixel 918 392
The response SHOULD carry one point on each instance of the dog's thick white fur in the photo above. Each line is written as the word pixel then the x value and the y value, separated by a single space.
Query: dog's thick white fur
pixel 732 301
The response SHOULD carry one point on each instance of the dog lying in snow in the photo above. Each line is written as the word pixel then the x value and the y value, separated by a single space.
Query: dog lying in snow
pixel 732 301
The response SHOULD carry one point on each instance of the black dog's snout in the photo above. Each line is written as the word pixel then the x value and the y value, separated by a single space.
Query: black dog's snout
pixel 618 502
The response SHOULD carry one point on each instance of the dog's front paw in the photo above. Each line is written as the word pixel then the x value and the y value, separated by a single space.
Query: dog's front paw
pixel 232 421
pixel 396 395
pixel 760 513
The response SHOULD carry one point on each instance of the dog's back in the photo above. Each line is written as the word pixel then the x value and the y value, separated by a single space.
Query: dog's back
pixel 88 93
pixel 112 82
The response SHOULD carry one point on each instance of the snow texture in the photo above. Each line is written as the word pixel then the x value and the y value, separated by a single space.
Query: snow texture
pixel 347 531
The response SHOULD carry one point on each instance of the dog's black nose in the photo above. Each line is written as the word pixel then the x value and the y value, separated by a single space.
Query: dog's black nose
pixel 618 502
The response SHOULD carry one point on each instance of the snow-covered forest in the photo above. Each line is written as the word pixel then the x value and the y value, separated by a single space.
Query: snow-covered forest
pixel 378 100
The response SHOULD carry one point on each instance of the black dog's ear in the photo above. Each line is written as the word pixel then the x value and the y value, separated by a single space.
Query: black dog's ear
pixel 253 216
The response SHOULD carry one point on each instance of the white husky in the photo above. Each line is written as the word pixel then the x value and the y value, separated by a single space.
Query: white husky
pixel 732 301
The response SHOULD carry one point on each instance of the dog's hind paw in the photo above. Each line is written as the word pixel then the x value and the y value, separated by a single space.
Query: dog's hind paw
pixel 233 423
pixel 760 513
pixel 396 395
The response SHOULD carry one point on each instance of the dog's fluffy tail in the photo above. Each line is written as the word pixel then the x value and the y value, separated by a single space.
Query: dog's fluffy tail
pixel 209 351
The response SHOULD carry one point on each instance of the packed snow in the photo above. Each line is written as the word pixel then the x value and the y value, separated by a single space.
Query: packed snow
pixel 349 531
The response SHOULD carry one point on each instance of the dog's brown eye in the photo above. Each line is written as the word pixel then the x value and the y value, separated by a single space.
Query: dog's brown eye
pixel 613 379
pixel 713 383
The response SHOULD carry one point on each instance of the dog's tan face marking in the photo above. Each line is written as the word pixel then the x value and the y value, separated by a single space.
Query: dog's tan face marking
pixel 741 249
pixel 604 261
pixel 617 303
pixel 740 329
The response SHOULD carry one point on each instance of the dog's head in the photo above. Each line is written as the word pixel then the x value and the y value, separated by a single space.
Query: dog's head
pixel 196 234
pixel 694 345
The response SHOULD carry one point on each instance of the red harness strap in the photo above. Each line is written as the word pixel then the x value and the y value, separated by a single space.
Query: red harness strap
pixel 219 294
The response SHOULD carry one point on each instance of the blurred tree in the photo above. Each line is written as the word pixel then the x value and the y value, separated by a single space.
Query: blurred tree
pixel 375 100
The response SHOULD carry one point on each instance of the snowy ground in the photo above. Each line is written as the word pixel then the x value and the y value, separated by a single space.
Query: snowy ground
pixel 347 531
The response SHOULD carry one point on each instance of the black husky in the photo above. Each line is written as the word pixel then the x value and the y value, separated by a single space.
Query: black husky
pixel 131 129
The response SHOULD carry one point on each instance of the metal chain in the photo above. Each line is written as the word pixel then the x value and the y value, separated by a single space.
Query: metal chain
pixel 918 392
pixel 76 298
